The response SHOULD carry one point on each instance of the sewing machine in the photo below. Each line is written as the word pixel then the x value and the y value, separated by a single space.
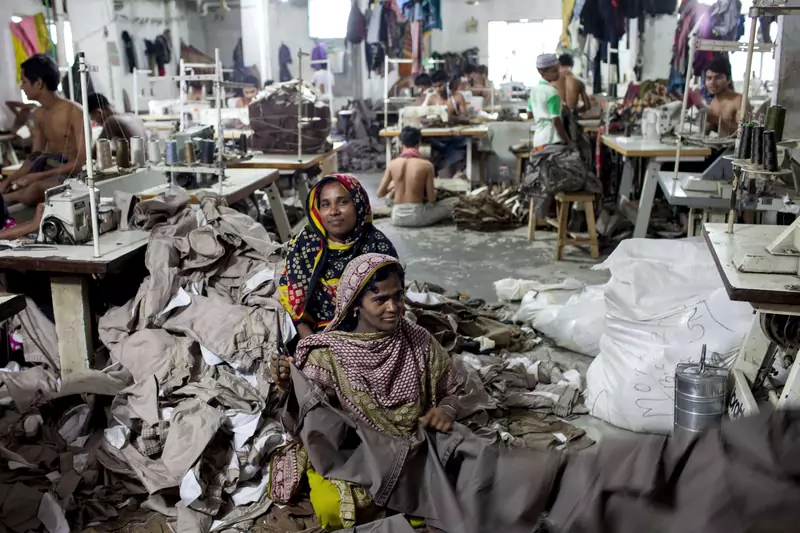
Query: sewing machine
pixel 414 115
pixel 67 216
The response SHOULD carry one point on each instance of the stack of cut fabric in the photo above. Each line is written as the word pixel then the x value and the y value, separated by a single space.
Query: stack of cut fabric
pixel 179 420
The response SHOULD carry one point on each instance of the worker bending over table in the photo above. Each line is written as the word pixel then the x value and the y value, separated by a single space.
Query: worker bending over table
pixel 115 125
pixel 58 143
pixel 409 178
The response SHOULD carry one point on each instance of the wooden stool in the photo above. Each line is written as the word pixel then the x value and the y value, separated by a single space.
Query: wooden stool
pixel 565 201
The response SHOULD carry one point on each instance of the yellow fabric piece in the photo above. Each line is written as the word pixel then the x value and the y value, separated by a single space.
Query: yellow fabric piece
pixel 416 522
pixel 326 501
pixel 567 7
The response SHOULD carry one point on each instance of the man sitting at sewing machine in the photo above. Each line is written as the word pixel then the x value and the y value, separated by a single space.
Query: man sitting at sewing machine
pixel 445 93
pixel 115 125
pixel 424 87
pixel 58 142
pixel 723 111
pixel 410 178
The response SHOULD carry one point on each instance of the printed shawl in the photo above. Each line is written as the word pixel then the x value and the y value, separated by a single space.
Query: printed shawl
pixel 314 264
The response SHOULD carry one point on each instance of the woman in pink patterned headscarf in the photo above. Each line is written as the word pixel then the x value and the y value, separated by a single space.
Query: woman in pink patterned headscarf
pixel 385 371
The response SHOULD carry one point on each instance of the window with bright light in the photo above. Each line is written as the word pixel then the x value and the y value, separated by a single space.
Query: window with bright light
pixel 514 46
pixel 69 49
pixel 327 19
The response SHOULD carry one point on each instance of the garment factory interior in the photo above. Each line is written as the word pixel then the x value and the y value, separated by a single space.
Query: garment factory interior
pixel 460 266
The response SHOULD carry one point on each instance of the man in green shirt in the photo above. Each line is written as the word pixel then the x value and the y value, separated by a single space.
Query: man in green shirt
pixel 544 106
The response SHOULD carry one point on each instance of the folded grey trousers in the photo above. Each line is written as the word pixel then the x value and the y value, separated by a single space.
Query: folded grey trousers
pixel 421 215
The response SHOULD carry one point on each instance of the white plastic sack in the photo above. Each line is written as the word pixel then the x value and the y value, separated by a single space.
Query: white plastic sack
pixel 578 324
pixel 664 301
pixel 512 290
pixel 541 296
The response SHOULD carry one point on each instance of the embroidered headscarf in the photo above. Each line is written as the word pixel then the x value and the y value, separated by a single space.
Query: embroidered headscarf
pixel 385 366
pixel 314 264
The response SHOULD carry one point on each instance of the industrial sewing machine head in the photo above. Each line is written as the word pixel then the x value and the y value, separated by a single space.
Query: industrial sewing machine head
pixel 67 216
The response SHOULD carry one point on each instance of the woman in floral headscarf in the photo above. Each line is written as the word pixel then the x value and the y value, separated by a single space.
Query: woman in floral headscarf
pixel 339 229
pixel 385 371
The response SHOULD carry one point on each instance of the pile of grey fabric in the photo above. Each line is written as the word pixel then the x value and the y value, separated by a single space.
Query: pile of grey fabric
pixel 557 168
pixel 273 118
pixel 364 150
pixel 178 423
pixel 497 208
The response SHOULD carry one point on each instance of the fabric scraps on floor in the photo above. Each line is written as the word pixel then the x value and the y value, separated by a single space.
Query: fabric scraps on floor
pixel 491 209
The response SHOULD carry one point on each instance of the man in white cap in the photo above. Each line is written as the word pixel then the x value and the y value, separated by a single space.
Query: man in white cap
pixel 545 106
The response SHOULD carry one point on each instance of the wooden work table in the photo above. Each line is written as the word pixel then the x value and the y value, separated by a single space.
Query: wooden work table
pixel 288 161
pixel 70 269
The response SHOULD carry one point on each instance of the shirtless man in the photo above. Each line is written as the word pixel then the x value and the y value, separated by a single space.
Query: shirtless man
pixel 410 177
pixel 445 93
pixel 570 88
pixel 115 125
pixel 723 111
pixel 58 149
pixel 424 87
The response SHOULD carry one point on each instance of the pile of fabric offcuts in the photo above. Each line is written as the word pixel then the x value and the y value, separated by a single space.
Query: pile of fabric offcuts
pixel 364 151
pixel 274 117
pixel 490 209
pixel 178 422
pixel 509 396
pixel 176 432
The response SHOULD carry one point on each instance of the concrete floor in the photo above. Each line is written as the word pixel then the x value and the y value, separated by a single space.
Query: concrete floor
pixel 471 262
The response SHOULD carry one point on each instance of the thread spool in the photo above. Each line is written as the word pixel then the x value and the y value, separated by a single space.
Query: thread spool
pixel 153 152
pixel 189 155
pixel 243 143
pixel 104 160
pixel 775 120
pixel 171 153
pixel 770 150
pixel 746 146
pixel 123 153
pixel 137 151
pixel 757 154
pixel 207 147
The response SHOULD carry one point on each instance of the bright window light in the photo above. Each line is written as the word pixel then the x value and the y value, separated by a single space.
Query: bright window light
pixel 327 19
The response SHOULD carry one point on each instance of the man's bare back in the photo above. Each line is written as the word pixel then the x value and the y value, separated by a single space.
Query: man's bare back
pixel 723 113
pixel 571 90
pixel 411 179
pixel 56 127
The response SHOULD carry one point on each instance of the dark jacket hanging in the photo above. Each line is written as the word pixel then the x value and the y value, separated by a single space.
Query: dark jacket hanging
pixel 130 53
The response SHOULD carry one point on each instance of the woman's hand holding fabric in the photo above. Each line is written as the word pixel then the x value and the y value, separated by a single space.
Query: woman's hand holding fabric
pixel 281 373
pixel 437 419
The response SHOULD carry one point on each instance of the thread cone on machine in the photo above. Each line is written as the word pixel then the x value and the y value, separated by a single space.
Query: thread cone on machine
pixel 123 153
pixel 775 120
pixel 747 142
pixel 153 152
pixel 137 151
pixel 770 151
pixel 104 160
pixel 189 155
pixel 207 148
pixel 757 155
pixel 171 153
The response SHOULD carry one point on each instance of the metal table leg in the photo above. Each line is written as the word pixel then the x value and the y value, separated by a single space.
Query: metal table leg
pixel 646 200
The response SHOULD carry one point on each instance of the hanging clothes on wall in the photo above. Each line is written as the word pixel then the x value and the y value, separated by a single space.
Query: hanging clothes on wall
pixel 29 37
pixel 130 52
pixel 567 8
pixel 604 20
pixel 284 60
